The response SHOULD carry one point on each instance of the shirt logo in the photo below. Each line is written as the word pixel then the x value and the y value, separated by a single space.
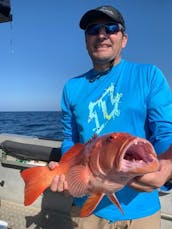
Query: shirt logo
pixel 104 109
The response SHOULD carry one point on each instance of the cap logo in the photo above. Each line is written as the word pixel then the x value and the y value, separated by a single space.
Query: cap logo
pixel 104 9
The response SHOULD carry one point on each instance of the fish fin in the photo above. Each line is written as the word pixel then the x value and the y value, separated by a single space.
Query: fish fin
pixel 77 179
pixel 115 201
pixel 72 152
pixel 36 179
pixel 90 204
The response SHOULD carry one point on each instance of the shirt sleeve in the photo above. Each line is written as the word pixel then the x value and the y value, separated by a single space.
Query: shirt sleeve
pixel 70 133
pixel 160 117
pixel 160 111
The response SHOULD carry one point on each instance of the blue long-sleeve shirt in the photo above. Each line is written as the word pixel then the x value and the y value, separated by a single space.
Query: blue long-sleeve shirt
pixel 133 98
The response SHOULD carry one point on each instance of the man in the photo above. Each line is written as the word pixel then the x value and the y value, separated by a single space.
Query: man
pixel 118 96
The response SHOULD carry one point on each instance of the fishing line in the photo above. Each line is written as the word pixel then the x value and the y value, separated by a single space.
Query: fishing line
pixel 11 38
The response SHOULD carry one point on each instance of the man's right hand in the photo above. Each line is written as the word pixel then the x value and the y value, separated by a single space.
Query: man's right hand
pixel 59 183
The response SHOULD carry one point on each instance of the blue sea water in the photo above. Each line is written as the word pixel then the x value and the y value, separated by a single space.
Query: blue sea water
pixel 38 124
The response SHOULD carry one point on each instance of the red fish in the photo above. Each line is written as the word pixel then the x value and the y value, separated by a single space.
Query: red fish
pixel 100 167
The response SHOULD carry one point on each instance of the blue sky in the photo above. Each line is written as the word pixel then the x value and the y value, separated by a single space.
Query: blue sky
pixel 43 47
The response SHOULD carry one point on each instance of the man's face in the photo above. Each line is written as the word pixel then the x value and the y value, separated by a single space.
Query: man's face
pixel 104 47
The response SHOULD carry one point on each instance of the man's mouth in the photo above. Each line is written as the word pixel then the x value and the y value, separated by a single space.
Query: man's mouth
pixel 102 46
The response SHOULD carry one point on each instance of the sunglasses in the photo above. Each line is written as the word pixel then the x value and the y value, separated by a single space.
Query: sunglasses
pixel 109 28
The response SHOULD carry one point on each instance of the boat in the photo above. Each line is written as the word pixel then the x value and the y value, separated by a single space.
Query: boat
pixel 5 11
pixel 50 210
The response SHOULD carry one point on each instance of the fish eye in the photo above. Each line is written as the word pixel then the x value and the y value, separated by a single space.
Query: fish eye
pixel 110 138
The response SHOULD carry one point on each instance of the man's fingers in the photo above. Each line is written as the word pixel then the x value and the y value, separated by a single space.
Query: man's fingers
pixel 153 180
pixel 65 185
pixel 61 182
pixel 147 183
pixel 140 187
pixel 52 165
pixel 54 184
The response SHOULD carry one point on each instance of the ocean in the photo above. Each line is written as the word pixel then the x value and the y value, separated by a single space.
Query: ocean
pixel 41 124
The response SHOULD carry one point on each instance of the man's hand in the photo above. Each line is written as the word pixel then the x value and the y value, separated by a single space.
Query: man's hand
pixel 58 184
pixel 151 181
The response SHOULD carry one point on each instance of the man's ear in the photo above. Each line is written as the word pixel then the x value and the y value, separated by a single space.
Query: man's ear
pixel 124 41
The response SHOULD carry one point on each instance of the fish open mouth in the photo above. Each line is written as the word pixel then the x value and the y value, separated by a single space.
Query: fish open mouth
pixel 137 155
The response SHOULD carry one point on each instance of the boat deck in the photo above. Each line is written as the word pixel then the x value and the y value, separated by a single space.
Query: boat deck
pixel 19 217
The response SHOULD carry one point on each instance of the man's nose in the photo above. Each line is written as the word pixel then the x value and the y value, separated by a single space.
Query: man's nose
pixel 102 32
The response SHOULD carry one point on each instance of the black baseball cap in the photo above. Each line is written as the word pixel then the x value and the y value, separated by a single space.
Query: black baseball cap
pixel 108 12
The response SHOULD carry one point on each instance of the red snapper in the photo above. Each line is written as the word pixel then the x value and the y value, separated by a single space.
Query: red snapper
pixel 100 167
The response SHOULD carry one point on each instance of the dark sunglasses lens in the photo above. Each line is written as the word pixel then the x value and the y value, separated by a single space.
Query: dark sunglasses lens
pixel 94 29
pixel 110 29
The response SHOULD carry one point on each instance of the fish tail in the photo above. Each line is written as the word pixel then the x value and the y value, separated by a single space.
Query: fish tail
pixel 36 179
